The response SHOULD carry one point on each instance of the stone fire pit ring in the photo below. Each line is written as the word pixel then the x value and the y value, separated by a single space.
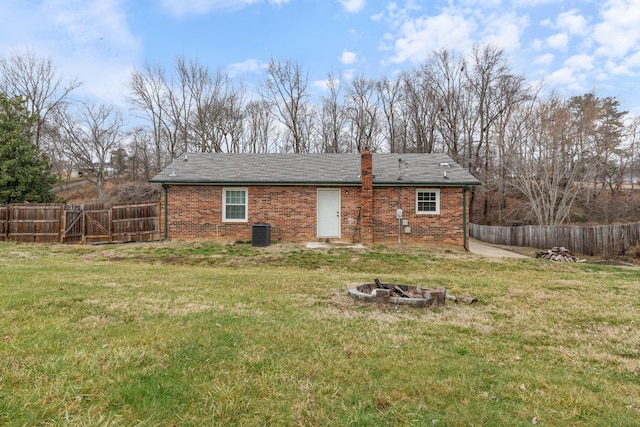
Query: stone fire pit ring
pixel 415 296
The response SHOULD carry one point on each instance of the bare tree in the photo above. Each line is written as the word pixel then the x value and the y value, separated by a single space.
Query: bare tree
pixel 190 99
pixel 394 126
pixel 363 112
pixel 309 128
pixel 149 95
pixel 36 80
pixel 141 155
pixel 216 111
pixel 494 91
pixel 233 123
pixel 421 110
pixel 487 66
pixel 258 127
pixel 445 73
pixel 89 136
pixel 332 118
pixel 181 103
pixel 547 167
pixel 285 88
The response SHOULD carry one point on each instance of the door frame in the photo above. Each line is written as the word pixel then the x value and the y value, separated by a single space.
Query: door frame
pixel 339 206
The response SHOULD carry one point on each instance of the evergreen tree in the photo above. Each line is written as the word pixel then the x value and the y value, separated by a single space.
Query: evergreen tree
pixel 25 173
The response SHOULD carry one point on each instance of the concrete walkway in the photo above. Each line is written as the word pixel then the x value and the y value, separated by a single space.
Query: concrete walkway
pixel 489 251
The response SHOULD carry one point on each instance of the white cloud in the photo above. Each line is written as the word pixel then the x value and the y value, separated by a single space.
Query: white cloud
pixel 321 85
pixel 353 6
pixel 88 40
pixel 582 61
pixel 377 17
pixel 104 82
pixel 574 74
pixel 244 67
pixel 419 37
pixel 546 59
pixel 418 34
pixel 349 74
pixel 480 3
pixel 565 77
pixel 558 41
pixel 615 68
pixel 633 61
pixel 348 58
pixel 87 22
pixel 533 3
pixel 537 44
pixel 619 32
pixel 182 8
pixel 504 30
pixel 573 23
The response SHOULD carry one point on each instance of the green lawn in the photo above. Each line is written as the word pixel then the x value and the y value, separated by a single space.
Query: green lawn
pixel 200 334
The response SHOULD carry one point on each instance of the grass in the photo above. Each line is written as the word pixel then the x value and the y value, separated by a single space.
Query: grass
pixel 194 334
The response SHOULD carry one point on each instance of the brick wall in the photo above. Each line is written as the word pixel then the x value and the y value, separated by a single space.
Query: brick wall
pixel 195 212
pixel 444 228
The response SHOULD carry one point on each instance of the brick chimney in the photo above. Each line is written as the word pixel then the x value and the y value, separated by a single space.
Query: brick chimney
pixel 366 173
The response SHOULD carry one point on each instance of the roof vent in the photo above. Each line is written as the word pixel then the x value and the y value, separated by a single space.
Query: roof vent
pixel 445 166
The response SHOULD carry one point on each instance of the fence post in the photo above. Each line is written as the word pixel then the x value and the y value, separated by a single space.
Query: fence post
pixel 111 224
pixel 83 238
pixel 62 222
pixel 6 223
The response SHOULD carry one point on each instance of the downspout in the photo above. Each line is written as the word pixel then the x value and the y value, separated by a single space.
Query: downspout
pixel 166 211
pixel 464 218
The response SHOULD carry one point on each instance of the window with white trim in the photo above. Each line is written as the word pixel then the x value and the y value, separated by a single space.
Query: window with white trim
pixel 428 201
pixel 234 205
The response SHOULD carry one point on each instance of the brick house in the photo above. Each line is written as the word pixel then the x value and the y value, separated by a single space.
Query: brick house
pixel 368 198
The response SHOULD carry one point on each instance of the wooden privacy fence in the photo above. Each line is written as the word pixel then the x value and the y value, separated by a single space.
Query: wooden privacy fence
pixel 598 240
pixel 61 223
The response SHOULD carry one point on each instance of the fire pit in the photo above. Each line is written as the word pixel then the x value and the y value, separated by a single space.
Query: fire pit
pixel 416 296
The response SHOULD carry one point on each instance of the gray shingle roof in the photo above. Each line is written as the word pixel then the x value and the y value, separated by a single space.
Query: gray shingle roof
pixel 317 169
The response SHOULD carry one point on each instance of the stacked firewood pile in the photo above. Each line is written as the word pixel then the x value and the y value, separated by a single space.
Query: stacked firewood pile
pixel 559 254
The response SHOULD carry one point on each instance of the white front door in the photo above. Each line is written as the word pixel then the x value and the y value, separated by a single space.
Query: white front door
pixel 328 212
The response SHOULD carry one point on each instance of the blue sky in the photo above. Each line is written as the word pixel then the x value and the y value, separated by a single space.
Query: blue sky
pixel 572 46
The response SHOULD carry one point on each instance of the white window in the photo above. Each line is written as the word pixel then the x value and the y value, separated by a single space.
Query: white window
pixel 428 201
pixel 234 205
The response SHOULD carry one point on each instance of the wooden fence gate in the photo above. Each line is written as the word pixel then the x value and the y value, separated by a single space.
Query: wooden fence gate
pixel 62 223
pixel 73 224
pixel 97 225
